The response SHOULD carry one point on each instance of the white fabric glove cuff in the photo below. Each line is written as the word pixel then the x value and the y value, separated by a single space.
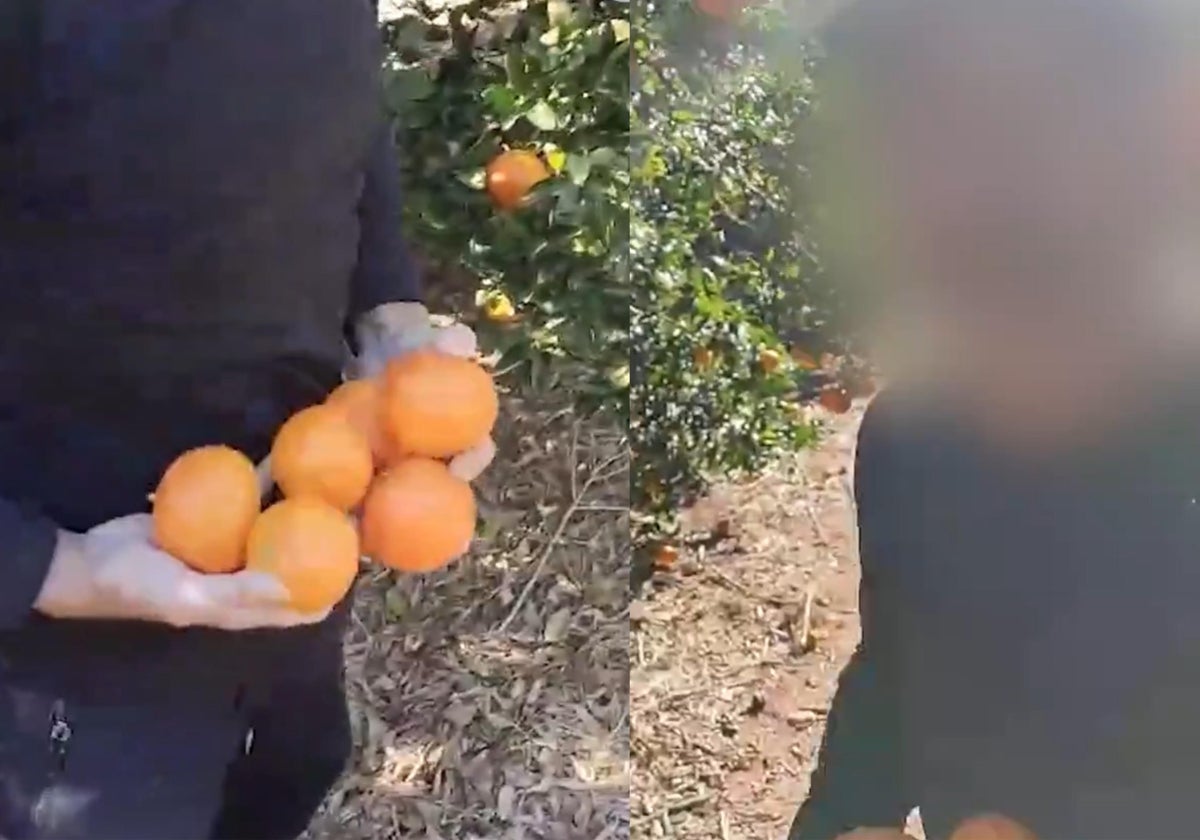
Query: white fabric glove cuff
pixel 399 326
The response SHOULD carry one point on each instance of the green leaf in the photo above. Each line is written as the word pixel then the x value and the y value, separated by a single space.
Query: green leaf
pixel 503 100
pixel 405 85
pixel 578 168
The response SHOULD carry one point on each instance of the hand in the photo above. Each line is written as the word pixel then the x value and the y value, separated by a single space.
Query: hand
pixel 398 328
pixel 115 572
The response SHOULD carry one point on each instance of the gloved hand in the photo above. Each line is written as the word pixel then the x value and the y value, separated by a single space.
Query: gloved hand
pixel 390 331
pixel 114 571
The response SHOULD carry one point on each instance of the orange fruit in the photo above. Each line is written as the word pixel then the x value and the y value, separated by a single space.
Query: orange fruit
pixel 361 400
pixel 436 405
pixel 417 516
pixel 512 174
pixel 310 546
pixel 318 453
pixel 723 10
pixel 991 827
pixel 665 557
pixel 835 399
pixel 204 507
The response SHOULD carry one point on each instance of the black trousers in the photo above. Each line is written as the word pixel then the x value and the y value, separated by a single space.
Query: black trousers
pixel 298 744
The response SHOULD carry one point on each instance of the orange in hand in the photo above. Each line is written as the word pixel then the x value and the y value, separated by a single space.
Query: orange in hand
pixel 318 453
pixel 362 402
pixel 417 516
pixel 204 507
pixel 436 405
pixel 310 546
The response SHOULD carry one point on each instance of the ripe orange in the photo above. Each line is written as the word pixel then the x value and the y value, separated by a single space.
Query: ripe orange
pixel 665 557
pixel 436 405
pixel 835 399
pixel 512 174
pixel 991 827
pixel 318 453
pixel 723 10
pixel 310 546
pixel 204 507
pixel 417 517
pixel 361 400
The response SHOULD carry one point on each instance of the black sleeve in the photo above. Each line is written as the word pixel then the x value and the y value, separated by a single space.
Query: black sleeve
pixel 29 541
pixel 859 780
pixel 385 272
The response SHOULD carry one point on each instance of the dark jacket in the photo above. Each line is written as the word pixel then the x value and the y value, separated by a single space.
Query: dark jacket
pixel 196 197
pixel 1029 637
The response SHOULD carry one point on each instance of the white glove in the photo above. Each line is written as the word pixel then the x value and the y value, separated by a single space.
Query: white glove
pixel 115 572
pixel 390 331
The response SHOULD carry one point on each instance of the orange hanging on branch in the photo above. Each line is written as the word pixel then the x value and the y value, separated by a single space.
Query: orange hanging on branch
pixel 511 175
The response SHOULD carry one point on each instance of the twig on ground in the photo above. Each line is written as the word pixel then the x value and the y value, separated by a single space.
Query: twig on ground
pixel 540 564
pixel 806 620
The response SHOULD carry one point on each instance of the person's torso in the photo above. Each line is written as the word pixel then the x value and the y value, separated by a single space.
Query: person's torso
pixel 180 183
pixel 1049 642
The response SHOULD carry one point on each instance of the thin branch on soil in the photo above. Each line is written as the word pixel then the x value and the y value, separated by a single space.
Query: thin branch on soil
pixel 806 620
pixel 578 497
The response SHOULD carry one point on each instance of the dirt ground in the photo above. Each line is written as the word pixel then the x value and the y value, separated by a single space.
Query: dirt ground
pixel 736 651
pixel 491 700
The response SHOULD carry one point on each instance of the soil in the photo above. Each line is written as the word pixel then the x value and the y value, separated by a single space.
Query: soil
pixel 737 649
pixel 490 700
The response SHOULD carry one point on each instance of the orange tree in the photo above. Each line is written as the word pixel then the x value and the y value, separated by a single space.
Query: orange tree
pixel 469 81
pixel 725 284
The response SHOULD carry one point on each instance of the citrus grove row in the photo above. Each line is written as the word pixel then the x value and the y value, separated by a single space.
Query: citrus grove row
pixel 362 474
